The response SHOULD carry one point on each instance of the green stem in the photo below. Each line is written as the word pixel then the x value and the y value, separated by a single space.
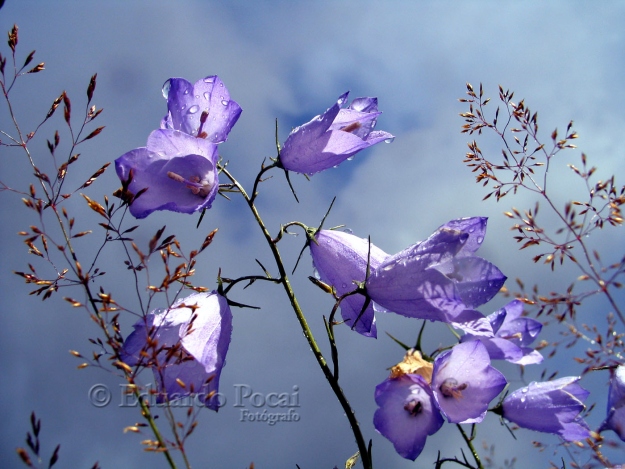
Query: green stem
pixel 362 446
pixel 469 442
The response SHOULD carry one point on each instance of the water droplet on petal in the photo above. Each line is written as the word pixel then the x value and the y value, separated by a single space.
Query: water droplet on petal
pixel 480 239
pixel 166 88
pixel 350 158
pixel 389 140
pixel 224 102
pixel 209 79
pixel 193 109
pixel 207 95
pixel 186 91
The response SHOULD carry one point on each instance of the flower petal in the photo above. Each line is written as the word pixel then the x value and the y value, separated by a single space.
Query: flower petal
pixel 186 102
pixel 464 382
pixel 550 407
pixel 170 152
pixel 407 414
pixel 340 260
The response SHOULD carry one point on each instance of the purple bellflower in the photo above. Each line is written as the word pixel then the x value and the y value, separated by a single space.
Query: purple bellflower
pixel 512 335
pixel 550 407
pixel 616 404
pixel 408 413
pixel 464 382
pixel 340 260
pixel 187 102
pixel 439 279
pixel 460 385
pixel 331 138
pixel 177 171
pixel 192 338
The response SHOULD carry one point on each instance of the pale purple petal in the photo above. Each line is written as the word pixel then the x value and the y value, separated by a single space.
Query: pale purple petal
pixel 331 138
pixel 408 290
pixel 464 382
pixel 340 259
pixel 520 330
pixel 475 227
pixel 170 152
pixel 476 279
pixel 187 102
pixel 200 325
pixel 512 334
pixel 550 407
pixel 407 414
pixel 530 357
pixel 438 279
pixel 615 419
pixel 472 322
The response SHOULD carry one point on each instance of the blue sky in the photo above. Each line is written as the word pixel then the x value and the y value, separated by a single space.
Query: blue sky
pixel 291 60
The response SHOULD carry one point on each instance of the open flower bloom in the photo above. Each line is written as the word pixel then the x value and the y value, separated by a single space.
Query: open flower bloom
pixel 187 347
pixel 178 171
pixel 340 260
pixel 438 279
pixel 186 102
pixel 512 335
pixel 333 137
pixel 464 382
pixel 616 404
pixel 407 413
pixel 550 407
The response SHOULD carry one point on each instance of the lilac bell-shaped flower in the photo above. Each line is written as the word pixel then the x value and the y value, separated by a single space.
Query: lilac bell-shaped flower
pixel 512 335
pixel 407 413
pixel 190 341
pixel 331 138
pixel 616 404
pixel 177 171
pixel 438 279
pixel 550 407
pixel 464 382
pixel 340 260
pixel 187 102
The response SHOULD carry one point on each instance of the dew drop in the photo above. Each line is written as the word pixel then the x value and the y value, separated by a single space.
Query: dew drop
pixel 480 239
pixel 389 140
pixel 350 158
pixel 193 109
pixel 224 102
pixel 166 88
pixel 186 91
pixel 207 95
pixel 197 96
pixel 209 79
